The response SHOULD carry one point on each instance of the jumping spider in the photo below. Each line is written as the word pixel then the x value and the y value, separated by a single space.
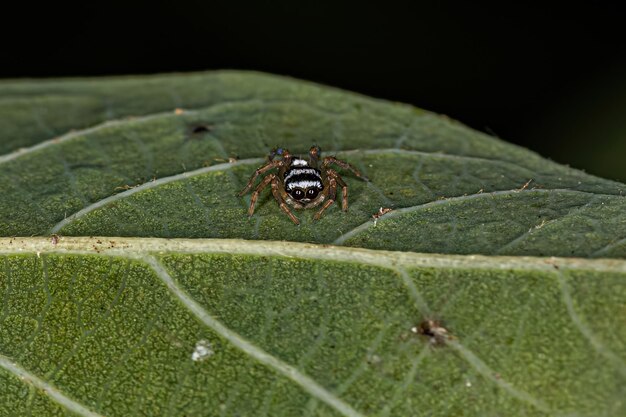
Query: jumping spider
pixel 300 183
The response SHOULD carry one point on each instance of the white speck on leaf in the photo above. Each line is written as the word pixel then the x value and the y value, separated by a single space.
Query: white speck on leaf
pixel 374 359
pixel 202 351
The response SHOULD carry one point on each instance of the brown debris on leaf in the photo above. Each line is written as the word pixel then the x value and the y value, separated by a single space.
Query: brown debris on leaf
pixel 525 186
pixel 125 187
pixel 381 212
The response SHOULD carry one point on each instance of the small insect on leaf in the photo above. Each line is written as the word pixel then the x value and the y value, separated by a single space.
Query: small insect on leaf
pixel 435 332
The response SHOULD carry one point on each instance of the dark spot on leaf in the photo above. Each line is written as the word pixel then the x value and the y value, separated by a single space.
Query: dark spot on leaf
pixel 201 128
pixel 85 166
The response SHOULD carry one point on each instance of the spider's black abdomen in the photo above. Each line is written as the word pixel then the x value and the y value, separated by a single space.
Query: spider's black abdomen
pixel 303 178
pixel 301 175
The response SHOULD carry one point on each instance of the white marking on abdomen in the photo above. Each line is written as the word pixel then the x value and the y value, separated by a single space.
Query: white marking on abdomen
pixel 303 184
pixel 300 163
pixel 298 171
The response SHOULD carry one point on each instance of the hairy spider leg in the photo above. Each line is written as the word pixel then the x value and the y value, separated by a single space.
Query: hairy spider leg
pixel 332 192
pixel 258 190
pixel 344 188
pixel 314 155
pixel 259 171
pixel 328 160
pixel 281 201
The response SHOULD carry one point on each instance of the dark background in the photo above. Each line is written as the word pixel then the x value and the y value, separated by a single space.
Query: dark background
pixel 549 78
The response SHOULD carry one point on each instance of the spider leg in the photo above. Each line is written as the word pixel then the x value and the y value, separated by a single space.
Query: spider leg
pixel 332 193
pixel 258 190
pixel 343 164
pixel 314 155
pixel 281 201
pixel 259 171
pixel 344 188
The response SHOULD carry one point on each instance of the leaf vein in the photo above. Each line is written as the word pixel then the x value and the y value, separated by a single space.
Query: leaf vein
pixel 489 374
pixel 247 347
pixel 225 166
pixel 584 329
pixel 146 186
pixel 54 393
pixel 468 355
pixel 75 134
pixel 514 242
pixel 399 212
pixel 603 250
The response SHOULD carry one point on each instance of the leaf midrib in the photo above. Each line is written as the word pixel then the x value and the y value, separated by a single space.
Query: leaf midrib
pixel 133 247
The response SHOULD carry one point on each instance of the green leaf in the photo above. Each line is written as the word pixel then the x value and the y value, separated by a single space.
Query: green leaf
pixel 110 326
pixel 129 323
pixel 167 174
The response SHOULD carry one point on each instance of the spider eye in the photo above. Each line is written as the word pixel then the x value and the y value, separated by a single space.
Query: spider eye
pixel 298 194
pixel 312 192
